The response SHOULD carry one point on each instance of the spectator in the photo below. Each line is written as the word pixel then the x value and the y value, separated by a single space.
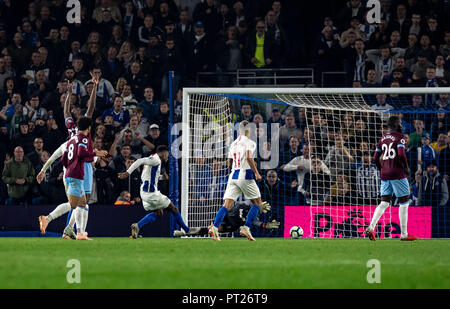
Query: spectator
pixel 433 190
pixel 200 177
pixel 111 67
pixel 440 125
pixel 289 129
pixel 371 79
pixel 35 155
pixel 136 79
pixel 129 100
pixel 384 60
pixel 34 110
pixel 23 138
pixel 124 199
pixel 199 49
pixel 442 74
pixel 354 8
pixel 15 119
pixel 107 5
pixel 382 106
pixel 402 23
pixel 339 157
pixel 367 179
pixel 412 50
pixel 445 48
pixel 277 194
pixel 154 138
pixel 120 116
pixel 163 120
pixel 18 174
pixel 53 137
pixel 104 89
pixel 301 165
pixel 171 59
pixel 416 137
pixel 316 183
pixel 419 68
pixel 440 144
pixel 444 162
pixel 426 153
pixel 325 49
pixel 131 184
pixel 340 192
pixel 149 105
pixel 19 51
pixel 147 29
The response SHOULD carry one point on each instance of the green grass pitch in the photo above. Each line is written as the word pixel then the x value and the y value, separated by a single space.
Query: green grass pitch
pixel 231 263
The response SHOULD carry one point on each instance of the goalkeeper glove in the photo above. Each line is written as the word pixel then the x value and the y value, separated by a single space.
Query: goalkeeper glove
pixel 265 207
pixel 272 225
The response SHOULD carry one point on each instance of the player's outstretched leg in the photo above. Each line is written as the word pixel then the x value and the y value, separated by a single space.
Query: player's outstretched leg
pixel 251 216
pixel 135 227
pixel 403 216
pixel 376 216
pixel 56 213
pixel 68 232
pixel 180 222
pixel 213 230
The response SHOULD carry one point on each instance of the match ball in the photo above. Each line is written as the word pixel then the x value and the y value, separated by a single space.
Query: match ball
pixel 296 232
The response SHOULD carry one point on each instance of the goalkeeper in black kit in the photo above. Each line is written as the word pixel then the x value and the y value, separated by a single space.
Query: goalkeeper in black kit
pixel 235 218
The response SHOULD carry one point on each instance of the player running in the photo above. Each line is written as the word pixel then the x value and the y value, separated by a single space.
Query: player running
pixel 72 129
pixel 391 160
pixel 152 199
pixel 236 218
pixel 241 181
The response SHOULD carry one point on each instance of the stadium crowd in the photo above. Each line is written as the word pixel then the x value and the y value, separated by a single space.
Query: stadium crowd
pixel 134 43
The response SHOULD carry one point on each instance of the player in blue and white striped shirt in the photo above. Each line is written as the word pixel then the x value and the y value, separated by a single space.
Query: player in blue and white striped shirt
pixel 152 199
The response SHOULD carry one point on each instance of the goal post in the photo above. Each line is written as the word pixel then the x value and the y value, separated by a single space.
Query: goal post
pixel 333 189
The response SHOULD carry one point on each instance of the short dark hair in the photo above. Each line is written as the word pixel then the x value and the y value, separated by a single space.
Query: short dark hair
pixel 392 122
pixel 161 148
pixel 84 123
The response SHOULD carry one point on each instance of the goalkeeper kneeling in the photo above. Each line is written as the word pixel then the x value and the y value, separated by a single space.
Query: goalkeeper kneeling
pixel 236 218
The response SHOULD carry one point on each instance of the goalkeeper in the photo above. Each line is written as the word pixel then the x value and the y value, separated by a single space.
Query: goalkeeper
pixel 236 218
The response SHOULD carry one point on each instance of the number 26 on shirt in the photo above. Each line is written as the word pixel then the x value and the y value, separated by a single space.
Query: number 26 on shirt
pixel 388 152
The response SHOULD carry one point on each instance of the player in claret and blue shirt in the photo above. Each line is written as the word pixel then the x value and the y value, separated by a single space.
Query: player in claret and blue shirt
pixel 391 160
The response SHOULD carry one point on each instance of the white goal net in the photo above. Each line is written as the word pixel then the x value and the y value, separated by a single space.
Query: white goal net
pixel 314 150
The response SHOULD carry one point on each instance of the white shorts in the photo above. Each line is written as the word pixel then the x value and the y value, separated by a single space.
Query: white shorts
pixel 154 200
pixel 236 187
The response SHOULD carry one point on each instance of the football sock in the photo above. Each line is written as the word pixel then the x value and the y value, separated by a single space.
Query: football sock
pixel 180 222
pixel 78 217
pixel 220 215
pixel 377 214
pixel 71 220
pixel 84 218
pixel 81 218
pixel 403 216
pixel 253 212
pixel 59 211
pixel 151 217
pixel 69 217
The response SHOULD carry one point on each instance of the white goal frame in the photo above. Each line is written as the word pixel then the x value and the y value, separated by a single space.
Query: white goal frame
pixel 187 92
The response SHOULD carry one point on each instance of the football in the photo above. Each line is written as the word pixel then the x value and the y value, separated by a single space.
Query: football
pixel 296 232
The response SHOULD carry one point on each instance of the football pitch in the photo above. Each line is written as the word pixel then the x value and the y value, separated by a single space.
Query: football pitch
pixel 232 263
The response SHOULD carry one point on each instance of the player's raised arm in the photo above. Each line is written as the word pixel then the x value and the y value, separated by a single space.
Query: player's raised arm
pixel 93 97
pixel 57 154
pixel 66 111
pixel 143 161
